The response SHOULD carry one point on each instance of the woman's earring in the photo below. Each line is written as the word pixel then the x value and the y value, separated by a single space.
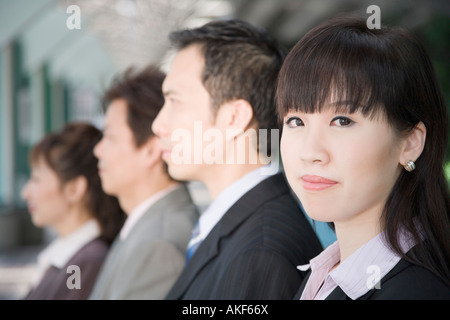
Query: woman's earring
pixel 410 166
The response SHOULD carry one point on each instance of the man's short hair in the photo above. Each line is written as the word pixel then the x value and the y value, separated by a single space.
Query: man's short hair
pixel 241 62
pixel 142 91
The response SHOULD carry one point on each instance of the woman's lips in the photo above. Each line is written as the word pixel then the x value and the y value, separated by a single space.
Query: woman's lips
pixel 316 183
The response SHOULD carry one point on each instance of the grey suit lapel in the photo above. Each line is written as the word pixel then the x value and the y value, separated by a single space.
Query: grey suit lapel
pixel 108 268
pixel 171 202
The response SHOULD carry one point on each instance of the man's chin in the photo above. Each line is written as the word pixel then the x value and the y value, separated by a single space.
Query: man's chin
pixel 180 172
pixel 109 190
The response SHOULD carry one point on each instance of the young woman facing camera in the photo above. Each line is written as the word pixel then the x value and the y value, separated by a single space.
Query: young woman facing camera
pixel 363 145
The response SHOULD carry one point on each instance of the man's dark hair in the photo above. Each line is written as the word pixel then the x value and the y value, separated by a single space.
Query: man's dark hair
pixel 241 62
pixel 142 90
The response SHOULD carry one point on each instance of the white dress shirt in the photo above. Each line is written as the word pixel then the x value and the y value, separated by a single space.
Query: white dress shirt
pixel 228 198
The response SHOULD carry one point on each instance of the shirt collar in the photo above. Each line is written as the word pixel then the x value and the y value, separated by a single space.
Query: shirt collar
pixel 229 197
pixel 362 270
pixel 326 259
pixel 141 209
pixel 61 250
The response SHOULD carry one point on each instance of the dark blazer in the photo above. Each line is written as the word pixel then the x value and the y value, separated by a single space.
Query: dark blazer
pixel 53 285
pixel 405 281
pixel 253 251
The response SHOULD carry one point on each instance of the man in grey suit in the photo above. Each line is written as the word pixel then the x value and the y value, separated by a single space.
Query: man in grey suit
pixel 149 253
pixel 219 106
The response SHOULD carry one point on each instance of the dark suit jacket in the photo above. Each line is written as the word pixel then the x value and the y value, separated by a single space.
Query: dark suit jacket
pixel 253 251
pixel 53 285
pixel 405 281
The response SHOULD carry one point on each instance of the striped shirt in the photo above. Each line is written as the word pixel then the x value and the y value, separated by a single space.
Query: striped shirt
pixel 356 275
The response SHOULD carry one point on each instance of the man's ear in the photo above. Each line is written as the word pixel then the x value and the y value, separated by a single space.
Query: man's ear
pixel 236 115
pixel 75 189
pixel 152 151
pixel 413 144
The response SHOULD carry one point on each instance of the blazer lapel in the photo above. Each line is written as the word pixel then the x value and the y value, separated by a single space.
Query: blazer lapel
pixel 233 218
pixel 174 200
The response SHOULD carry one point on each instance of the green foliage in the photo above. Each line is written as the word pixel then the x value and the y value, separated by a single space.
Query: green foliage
pixel 435 35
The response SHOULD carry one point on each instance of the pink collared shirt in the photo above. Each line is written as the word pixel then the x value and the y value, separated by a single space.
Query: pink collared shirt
pixel 356 275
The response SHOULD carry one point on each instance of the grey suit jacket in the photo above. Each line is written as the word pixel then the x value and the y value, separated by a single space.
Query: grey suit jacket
pixel 146 264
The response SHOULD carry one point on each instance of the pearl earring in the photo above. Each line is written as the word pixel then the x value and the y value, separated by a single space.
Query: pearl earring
pixel 410 166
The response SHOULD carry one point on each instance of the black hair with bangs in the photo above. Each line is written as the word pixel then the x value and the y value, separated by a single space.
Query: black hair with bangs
pixel 381 71
pixel 365 69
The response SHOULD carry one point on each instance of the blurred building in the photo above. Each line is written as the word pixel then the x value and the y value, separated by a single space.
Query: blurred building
pixel 57 56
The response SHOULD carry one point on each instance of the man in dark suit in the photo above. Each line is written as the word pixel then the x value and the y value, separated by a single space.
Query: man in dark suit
pixel 218 125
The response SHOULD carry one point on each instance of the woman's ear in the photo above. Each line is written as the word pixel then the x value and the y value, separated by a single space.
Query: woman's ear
pixel 413 144
pixel 75 189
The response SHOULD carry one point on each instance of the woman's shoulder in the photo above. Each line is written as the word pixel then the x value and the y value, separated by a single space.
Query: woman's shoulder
pixel 94 250
pixel 407 281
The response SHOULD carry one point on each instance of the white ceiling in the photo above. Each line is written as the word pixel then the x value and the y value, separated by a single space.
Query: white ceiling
pixel 115 34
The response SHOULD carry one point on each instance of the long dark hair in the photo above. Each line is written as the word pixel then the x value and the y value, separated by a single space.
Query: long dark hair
pixel 382 72
pixel 70 154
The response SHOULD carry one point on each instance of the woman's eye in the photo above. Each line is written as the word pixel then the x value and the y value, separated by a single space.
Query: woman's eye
pixel 342 121
pixel 294 122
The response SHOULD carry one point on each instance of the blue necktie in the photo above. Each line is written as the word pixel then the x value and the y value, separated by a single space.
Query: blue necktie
pixel 194 243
